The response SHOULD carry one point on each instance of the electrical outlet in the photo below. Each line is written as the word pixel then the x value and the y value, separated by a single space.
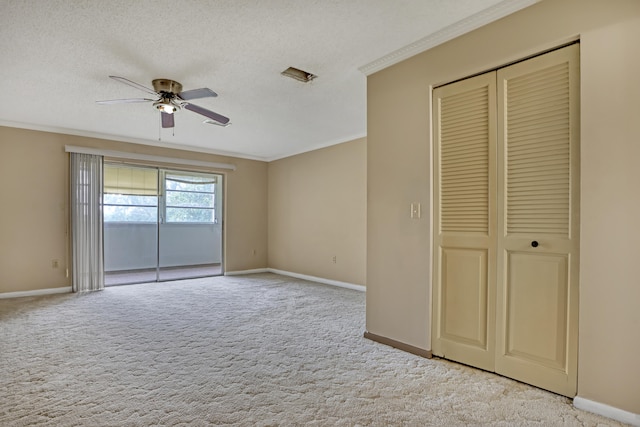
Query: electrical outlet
pixel 55 263
pixel 254 252
pixel 416 210
pixel 335 259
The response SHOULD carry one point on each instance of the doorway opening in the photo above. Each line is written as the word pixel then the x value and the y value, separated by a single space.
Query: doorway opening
pixel 161 224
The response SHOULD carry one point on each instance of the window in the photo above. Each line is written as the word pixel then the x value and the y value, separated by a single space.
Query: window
pixel 127 208
pixel 189 198
pixel 130 194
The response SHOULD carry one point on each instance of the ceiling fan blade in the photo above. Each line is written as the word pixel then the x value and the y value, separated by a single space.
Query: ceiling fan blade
pixel 204 92
pixel 213 122
pixel 167 120
pixel 124 101
pixel 207 113
pixel 134 84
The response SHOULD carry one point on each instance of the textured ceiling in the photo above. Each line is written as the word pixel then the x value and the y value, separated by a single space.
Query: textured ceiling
pixel 56 56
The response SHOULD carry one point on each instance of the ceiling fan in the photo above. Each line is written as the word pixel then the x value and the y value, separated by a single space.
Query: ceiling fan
pixel 170 98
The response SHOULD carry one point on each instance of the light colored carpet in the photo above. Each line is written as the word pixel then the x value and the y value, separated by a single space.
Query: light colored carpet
pixel 257 350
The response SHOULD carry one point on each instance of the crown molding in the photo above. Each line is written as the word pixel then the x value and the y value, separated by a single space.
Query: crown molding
pixel 493 13
pixel 130 140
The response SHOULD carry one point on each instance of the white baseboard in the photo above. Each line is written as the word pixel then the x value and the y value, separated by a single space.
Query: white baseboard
pixel 241 272
pixel 319 280
pixel 607 411
pixel 299 276
pixel 36 292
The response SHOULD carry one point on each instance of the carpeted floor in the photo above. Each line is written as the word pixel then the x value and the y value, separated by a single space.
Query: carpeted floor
pixel 258 350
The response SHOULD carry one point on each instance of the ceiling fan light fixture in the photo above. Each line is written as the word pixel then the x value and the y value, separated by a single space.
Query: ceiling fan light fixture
pixel 298 74
pixel 165 106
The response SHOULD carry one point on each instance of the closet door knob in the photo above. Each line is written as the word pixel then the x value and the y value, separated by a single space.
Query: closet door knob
pixel 534 244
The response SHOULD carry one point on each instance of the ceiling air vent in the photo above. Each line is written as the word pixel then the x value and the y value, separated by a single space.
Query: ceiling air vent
pixel 299 75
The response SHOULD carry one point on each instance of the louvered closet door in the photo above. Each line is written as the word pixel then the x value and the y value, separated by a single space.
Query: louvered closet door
pixel 465 218
pixel 538 221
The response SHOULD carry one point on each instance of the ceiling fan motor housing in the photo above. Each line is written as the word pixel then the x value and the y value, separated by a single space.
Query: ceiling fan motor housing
pixel 166 86
pixel 168 90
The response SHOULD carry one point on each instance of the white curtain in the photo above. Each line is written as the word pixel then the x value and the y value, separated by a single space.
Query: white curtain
pixel 86 222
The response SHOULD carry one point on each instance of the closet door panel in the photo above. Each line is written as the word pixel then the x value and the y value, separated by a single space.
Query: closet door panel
pixel 465 219
pixel 536 302
pixel 464 299
pixel 538 221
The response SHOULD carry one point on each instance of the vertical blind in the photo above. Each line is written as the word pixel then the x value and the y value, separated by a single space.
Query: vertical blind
pixel 86 222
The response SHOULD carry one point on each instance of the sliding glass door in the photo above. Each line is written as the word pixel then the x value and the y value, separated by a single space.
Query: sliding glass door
pixel 190 226
pixel 130 211
pixel 160 224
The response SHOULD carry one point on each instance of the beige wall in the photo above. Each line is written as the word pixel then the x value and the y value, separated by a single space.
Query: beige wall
pixel 398 167
pixel 317 210
pixel 34 215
